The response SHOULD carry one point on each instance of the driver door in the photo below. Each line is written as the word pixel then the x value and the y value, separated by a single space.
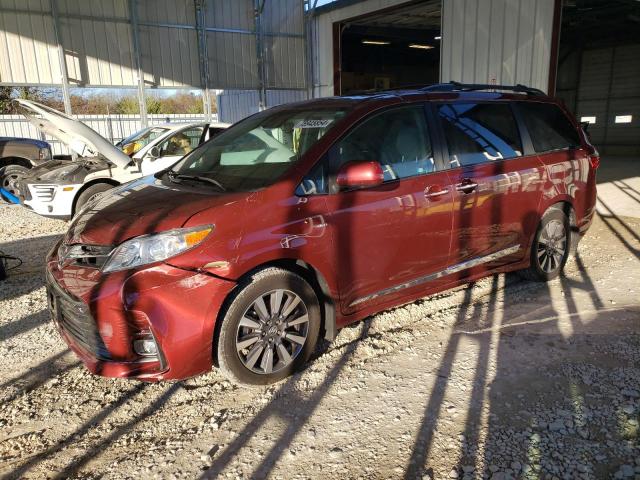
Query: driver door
pixel 172 149
pixel 390 241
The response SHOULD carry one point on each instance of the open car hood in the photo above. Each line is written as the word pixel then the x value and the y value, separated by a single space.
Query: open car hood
pixel 73 133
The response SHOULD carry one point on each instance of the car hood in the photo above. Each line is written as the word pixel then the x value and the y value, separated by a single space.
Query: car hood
pixel 144 206
pixel 73 133
pixel 64 171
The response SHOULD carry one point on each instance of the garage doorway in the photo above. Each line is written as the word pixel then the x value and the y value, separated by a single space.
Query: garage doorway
pixel 390 48
pixel 598 71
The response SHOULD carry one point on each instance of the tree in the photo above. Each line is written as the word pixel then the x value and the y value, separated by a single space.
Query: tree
pixel 127 105
pixel 5 100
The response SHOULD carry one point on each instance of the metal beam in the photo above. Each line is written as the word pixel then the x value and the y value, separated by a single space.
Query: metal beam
pixel 133 13
pixel 66 97
pixel 203 56
pixel 308 18
pixel 262 90
pixel 182 26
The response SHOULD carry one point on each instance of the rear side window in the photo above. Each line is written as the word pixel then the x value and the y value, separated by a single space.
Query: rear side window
pixel 479 132
pixel 549 127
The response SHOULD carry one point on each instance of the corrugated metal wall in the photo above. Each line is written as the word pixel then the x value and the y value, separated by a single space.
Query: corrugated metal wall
pixel 28 51
pixel 608 86
pixel 234 105
pixel 497 41
pixel 98 43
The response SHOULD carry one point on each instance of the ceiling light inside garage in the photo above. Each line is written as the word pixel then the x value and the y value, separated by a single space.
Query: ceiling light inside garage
pixel 421 46
pixel 375 42
pixel 437 38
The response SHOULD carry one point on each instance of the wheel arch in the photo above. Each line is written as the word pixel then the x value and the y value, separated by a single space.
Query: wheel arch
pixel 13 160
pixel 108 181
pixel 566 206
pixel 328 328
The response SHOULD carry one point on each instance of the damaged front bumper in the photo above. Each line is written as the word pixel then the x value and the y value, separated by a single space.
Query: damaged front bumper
pixel 170 310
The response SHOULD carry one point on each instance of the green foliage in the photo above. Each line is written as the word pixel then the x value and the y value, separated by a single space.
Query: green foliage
pixel 115 102
pixel 126 105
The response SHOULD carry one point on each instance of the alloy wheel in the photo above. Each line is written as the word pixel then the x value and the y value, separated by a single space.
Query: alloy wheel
pixel 272 331
pixel 552 246
pixel 10 182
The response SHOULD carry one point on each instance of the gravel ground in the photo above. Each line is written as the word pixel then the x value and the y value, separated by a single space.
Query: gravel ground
pixel 499 380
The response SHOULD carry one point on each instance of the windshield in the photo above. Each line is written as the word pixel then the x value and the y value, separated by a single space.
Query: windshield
pixel 257 151
pixel 132 144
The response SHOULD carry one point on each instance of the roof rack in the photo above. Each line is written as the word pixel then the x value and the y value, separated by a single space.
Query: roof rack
pixel 469 87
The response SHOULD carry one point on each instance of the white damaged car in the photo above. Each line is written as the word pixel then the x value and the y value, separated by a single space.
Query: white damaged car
pixel 60 188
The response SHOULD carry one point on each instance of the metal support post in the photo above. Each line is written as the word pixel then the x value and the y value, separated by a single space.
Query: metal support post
pixel 203 56
pixel 262 90
pixel 133 13
pixel 66 97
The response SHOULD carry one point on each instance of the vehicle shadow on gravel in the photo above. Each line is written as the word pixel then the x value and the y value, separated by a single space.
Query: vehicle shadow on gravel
pixel 555 405
pixel 23 325
pixel 29 276
pixel 277 409
pixel 35 377
pixel 72 469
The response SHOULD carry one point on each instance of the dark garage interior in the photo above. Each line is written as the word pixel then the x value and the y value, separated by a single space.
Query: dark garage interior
pixel 599 71
pixel 388 49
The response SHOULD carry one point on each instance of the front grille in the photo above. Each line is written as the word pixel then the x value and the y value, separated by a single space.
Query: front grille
pixel 74 319
pixel 84 255
pixel 44 193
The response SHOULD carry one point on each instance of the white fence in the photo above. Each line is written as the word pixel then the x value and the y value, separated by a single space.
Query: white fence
pixel 111 127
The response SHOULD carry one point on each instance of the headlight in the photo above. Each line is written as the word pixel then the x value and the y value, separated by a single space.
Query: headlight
pixel 44 154
pixel 155 248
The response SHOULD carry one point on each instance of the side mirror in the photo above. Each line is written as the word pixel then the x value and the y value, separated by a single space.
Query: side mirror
pixel 154 152
pixel 360 175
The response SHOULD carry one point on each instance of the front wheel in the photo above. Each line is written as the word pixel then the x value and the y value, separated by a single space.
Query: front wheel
pixel 270 328
pixel 91 194
pixel 10 178
pixel 551 246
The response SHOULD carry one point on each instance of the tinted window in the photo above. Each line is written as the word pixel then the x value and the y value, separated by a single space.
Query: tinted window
pixel 548 127
pixel 396 138
pixel 479 132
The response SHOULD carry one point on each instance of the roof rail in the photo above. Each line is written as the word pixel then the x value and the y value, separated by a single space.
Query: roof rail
pixel 468 87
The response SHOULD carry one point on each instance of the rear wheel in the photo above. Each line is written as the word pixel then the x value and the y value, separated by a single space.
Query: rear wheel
pixel 11 176
pixel 270 328
pixel 551 246
pixel 90 194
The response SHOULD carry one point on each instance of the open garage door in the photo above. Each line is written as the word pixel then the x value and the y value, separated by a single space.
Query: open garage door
pixel 393 47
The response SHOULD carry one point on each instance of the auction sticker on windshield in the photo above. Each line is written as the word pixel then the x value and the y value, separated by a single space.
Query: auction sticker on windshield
pixel 313 123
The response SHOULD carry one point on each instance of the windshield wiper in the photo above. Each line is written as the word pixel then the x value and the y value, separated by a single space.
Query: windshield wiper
pixel 178 176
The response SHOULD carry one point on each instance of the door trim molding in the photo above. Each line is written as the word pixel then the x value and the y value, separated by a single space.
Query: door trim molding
pixel 474 262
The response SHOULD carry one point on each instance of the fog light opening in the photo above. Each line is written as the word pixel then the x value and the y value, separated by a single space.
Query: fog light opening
pixel 146 346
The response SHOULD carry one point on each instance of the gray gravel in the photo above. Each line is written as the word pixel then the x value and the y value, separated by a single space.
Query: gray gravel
pixel 505 379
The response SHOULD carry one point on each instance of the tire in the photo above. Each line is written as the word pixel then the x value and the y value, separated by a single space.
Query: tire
pixel 551 246
pixel 10 176
pixel 250 329
pixel 89 194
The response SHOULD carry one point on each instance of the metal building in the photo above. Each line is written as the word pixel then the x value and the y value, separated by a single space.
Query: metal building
pixel 257 53
pixel 206 44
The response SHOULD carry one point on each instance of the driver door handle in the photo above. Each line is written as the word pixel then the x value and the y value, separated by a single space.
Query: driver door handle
pixel 434 192
pixel 466 186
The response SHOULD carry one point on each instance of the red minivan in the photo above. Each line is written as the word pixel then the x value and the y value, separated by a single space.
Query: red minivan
pixel 306 217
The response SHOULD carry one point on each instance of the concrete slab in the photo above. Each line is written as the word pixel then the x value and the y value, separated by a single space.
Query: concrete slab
pixel 619 187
